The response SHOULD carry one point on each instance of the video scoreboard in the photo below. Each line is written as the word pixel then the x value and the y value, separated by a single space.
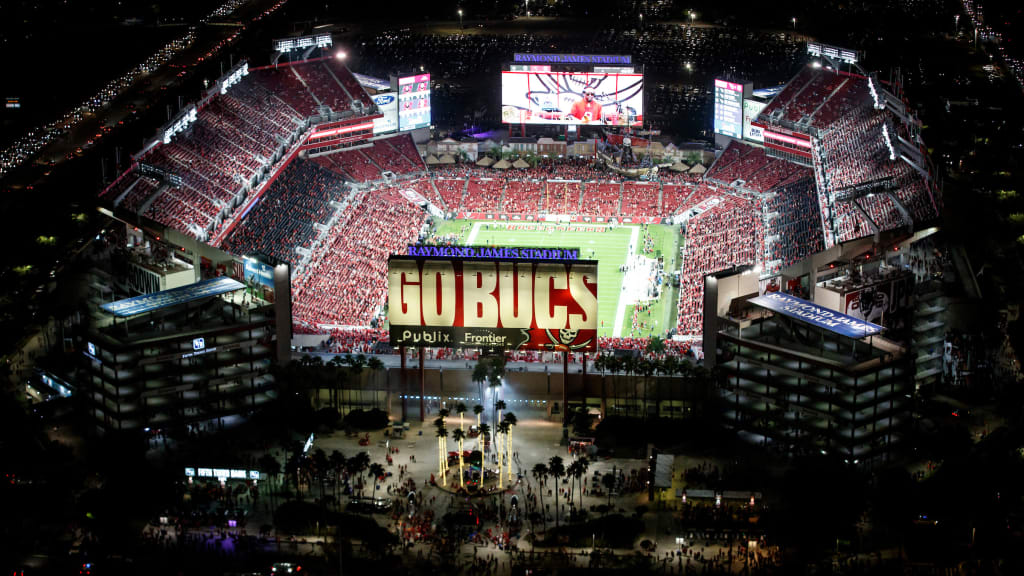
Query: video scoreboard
pixel 728 108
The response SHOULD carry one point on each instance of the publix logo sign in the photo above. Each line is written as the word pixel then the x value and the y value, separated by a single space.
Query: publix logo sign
pixel 383 99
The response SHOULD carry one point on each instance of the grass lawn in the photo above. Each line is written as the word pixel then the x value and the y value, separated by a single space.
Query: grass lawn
pixel 609 247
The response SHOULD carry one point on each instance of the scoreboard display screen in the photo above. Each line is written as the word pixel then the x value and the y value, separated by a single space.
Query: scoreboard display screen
pixel 572 98
pixel 414 102
pixel 728 108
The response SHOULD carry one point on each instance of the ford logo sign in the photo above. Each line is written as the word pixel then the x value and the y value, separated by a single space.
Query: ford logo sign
pixel 383 99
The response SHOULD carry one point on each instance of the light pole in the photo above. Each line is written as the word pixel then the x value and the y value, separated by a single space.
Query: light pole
pixel 794 23
pixel 460 18
pixel 956 24
pixel 692 16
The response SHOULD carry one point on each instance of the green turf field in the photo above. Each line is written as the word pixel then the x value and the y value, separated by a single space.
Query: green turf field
pixel 609 247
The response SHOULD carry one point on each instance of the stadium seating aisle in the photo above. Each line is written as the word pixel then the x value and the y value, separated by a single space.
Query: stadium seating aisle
pixel 451 192
pixel 323 86
pixel 345 282
pixel 284 217
pixel 563 197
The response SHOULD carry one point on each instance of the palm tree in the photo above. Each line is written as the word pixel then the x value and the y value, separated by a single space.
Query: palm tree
pixel 556 469
pixel 458 435
pixel 356 464
pixel 442 433
pixel 540 474
pixel 355 366
pixel 485 431
pixel 511 420
pixel 584 466
pixel 320 466
pixel 443 413
pixel 271 467
pixel 646 368
pixel 480 376
pixel 478 410
pixel 375 365
pixel 608 481
pixel 498 434
pixel 335 364
pixel 461 409
pixel 376 472
pixel 500 430
pixel 337 463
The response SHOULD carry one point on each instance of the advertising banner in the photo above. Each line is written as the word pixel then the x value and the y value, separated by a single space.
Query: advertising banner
pixel 507 304
pixel 811 313
pixel 751 108
pixel 387 103
pixel 258 273
pixel 571 98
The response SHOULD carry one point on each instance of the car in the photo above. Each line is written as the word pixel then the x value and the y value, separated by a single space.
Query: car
pixel 285 568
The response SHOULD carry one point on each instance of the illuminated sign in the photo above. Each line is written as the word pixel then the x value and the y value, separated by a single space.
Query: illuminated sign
pixel 493 304
pixel 414 102
pixel 494 253
pixel 303 42
pixel 751 132
pixel 387 104
pixel 258 273
pixel 91 348
pixel 832 52
pixel 574 58
pixel 222 473
pixel 198 344
pixel 572 98
pixel 806 311
pixel 728 108
pixel 308 444
pixel 340 131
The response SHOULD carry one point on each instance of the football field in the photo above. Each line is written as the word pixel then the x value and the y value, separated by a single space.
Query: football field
pixel 618 291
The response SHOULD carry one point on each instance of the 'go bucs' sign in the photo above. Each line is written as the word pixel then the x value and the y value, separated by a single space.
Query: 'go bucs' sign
pixel 493 304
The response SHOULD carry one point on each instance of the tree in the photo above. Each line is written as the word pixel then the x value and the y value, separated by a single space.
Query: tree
pixel 501 430
pixel 441 434
pixel 478 410
pixel 584 466
pixel 337 463
pixel 461 409
pixel 271 467
pixel 375 366
pixel 510 420
pixel 376 473
pixel 320 466
pixel 574 472
pixel 608 481
pixel 540 473
pixel 556 469
pixel 356 464
pixel 458 435
pixel 485 432
pixel 479 376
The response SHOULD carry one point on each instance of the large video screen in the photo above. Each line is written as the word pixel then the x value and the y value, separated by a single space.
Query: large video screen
pixel 751 108
pixel 493 303
pixel 728 108
pixel 387 103
pixel 572 98
pixel 414 102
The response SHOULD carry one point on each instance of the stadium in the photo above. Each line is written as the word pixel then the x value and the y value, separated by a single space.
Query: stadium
pixel 282 160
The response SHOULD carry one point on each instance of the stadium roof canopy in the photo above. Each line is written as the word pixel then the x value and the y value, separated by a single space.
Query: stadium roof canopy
pixel 166 298
pixel 818 316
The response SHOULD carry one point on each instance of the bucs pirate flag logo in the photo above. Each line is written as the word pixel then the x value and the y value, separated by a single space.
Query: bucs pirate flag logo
pixel 493 303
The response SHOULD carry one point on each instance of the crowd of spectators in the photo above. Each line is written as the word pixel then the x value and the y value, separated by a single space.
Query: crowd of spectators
pixel 352 164
pixel 641 199
pixel 792 226
pixel 345 281
pixel 284 217
pixel 729 234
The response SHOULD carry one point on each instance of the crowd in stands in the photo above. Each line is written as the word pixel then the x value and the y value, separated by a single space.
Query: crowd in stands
pixel 730 234
pixel 482 195
pixel 387 157
pixel 138 194
pixel 641 199
pixel 283 218
pixel 352 164
pixel 523 197
pixel 345 281
pixel 792 226
pixel 601 198
pixel 451 192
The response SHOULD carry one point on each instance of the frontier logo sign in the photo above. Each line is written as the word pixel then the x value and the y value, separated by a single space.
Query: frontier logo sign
pixel 492 304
